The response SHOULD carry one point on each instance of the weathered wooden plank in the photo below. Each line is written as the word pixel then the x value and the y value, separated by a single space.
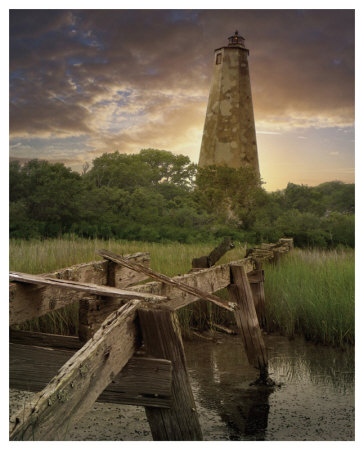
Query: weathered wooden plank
pixel 80 381
pixel 247 319
pixel 44 340
pixel 256 280
pixel 98 272
pixel 90 319
pixel 143 381
pixel 212 258
pixel 162 338
pixel 287 241
pixel 28 302
pixel 256 275
pixel 167 280
pixel 208 280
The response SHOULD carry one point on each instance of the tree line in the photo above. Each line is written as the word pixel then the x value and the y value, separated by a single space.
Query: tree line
pixel 156 195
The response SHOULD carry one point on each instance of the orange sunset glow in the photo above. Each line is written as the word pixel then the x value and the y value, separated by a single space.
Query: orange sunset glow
pixel 86 82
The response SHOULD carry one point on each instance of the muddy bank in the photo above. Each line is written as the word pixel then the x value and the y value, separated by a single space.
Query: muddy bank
pixel 314 402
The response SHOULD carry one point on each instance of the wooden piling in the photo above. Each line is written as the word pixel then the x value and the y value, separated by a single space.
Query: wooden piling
pixel 162 338
pixel 256 280
pixel 247 320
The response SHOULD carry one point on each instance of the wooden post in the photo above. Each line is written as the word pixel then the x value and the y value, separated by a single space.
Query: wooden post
pixel 256 280
pixel 217 253
pixel 94 309
pixel 162 338
pixel 247 320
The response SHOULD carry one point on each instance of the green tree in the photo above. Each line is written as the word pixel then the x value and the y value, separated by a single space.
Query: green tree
pixel 229 194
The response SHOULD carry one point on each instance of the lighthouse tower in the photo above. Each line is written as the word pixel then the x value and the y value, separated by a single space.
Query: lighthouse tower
pixel 229 132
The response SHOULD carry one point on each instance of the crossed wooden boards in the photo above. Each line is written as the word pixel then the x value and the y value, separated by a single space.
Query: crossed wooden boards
pixel 89 371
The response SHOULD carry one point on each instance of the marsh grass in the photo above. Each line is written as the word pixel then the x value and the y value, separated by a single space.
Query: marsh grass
pixel 311 292
pixel 171 259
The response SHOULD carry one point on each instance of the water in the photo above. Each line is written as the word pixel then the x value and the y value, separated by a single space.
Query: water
pixel 314 402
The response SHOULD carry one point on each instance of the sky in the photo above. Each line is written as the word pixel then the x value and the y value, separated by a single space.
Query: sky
pixel 86 82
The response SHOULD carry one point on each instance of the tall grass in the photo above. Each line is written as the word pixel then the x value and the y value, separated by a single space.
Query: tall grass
pixel 312 293
pixel 42 256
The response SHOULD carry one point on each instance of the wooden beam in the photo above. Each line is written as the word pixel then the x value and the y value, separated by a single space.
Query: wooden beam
pixel 198 293
pixel 162 338
pixel 212 258
pixel 30 302
pixel 247 320
pixel 36 338
pixel 97 272
pixel 80 381
pixel 143 381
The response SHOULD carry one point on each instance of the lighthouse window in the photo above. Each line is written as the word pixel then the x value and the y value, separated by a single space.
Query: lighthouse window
pixel 218 58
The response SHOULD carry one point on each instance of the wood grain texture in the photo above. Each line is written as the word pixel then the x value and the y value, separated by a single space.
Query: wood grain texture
pixel 247 320
pixel 162 338
pixel 44 340
pixel 143 381
pixel 31 301
pixel 80 380
pixel 175 283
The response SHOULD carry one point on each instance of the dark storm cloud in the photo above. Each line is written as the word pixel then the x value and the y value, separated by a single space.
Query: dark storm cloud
pixel 72 72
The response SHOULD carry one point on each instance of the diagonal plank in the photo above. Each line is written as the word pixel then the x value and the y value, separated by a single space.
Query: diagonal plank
pixel 80 380
pixel 167 280
pixel 28 301
pixel 90 288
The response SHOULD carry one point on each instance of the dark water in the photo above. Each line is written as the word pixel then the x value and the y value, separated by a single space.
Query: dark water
pixel 314 402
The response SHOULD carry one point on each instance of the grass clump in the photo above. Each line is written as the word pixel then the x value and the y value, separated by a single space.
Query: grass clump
pixel 311 292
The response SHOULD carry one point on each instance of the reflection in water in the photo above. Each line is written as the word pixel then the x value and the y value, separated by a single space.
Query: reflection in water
pixel 315 401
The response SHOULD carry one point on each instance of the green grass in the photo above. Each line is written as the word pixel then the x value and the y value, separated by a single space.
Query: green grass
pixel 312 293
pixel 171 259
pixel 49 255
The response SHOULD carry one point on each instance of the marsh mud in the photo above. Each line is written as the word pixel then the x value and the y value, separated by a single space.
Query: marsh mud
pixel 313 399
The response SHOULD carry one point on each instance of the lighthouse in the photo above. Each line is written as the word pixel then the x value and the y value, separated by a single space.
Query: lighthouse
pixel 229 132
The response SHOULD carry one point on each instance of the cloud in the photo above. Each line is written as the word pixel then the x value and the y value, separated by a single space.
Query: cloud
pixel 129 79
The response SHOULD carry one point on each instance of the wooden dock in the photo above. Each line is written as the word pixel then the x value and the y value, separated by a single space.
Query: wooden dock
pixel 129 349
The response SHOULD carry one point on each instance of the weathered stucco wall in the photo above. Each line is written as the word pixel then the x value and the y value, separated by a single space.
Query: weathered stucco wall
pixel 229 132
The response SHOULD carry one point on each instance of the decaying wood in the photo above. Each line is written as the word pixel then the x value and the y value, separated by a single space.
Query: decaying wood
pixel 217 253
pixel 247 319
pixel 29 302
pixel 201 336
pixel 287 241
pixel 94 310
pixel 100 272
pixel 143 381
pixel 270 252
pixel 223 329
pixel 80 381
pixel 166 280
pixel 44 340
pixel 256 280
pixel 162 338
